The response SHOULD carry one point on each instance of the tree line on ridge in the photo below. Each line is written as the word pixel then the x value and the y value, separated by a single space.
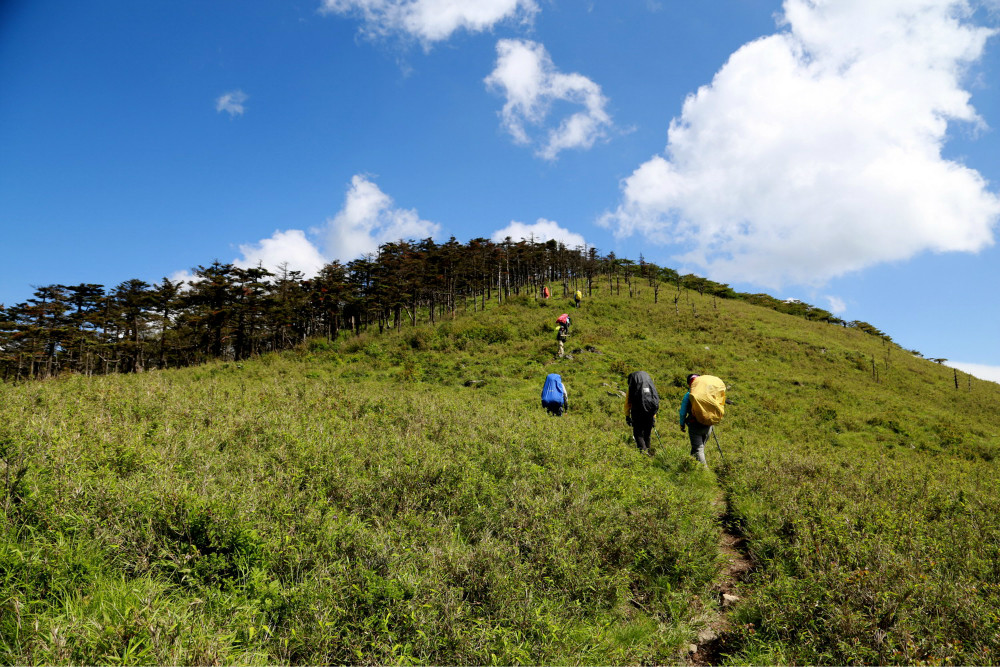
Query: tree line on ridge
pixel 230 312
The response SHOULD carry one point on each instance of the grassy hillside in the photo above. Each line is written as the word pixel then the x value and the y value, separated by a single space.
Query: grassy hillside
pixel 404 499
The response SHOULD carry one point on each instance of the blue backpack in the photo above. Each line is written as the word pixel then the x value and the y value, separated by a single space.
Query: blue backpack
pixel 552 391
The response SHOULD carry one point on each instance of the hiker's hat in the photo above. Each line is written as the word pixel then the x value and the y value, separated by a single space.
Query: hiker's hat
pixel 692 377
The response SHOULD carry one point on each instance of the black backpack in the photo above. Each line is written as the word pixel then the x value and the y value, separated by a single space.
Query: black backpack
pixel 643 395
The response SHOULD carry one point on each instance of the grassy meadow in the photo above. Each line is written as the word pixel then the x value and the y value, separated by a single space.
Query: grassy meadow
pixel 403 499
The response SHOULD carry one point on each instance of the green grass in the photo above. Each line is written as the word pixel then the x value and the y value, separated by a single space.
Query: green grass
pixel 404 499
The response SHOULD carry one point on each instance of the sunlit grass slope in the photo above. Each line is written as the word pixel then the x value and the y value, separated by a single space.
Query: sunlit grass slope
pixel 404 499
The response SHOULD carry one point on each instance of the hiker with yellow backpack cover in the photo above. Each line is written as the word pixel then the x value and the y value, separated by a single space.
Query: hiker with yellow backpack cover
pixel 702 408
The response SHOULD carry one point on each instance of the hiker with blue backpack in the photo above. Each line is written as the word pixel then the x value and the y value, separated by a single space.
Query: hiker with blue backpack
pixel 642 403
pixel 554 395
pixel 701 408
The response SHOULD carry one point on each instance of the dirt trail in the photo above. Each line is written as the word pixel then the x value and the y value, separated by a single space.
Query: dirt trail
pixel 712 641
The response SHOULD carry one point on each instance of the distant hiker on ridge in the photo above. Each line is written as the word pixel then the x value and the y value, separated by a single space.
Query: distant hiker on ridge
pixel 576 299
pixel 642 403
pixel 554 395
pixel 701 407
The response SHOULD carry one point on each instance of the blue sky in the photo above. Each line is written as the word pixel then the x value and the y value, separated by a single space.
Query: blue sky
pixel 843 153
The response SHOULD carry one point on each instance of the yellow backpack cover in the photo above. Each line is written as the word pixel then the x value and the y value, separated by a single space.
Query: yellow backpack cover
pixel 708 398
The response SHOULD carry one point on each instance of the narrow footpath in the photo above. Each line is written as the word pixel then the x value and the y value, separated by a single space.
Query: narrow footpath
pixel 712 642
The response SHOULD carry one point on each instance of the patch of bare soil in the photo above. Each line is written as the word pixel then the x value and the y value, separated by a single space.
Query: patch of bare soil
pixel 712 640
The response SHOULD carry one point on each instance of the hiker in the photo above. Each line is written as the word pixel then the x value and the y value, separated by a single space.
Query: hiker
pixel 642 403
pixel 545 292
pixel 699 414
pixel 576 299
pixel 554 395
pixel 562 332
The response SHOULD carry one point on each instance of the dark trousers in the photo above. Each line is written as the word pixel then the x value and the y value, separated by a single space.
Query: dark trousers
pixel 642 428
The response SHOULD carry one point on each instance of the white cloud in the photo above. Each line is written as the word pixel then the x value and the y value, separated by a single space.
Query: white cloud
pixel 231 102
pixel 528 79
pixel 431 20
pixel 368 219
pixel 290 248
pixel 184 277
pixel 982 371
pixel 543 230
pixel 818 151
pixel 836 304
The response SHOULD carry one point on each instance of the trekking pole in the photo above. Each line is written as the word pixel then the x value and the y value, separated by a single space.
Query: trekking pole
pixel 722 458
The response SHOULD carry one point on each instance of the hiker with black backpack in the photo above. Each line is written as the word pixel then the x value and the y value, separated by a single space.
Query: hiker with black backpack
pixel 555 399
pixel 562 333
pixel 561 338
pixel 701 408
pixel 642 403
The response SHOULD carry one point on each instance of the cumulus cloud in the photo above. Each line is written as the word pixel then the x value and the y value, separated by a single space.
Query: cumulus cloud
pixel 289 248
pixel 368 219
pixel 184 277
pixel 528 79
pixel 836 304
pixel 231 102
pixel 431 21
pixel 817 151
pixel 543 230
